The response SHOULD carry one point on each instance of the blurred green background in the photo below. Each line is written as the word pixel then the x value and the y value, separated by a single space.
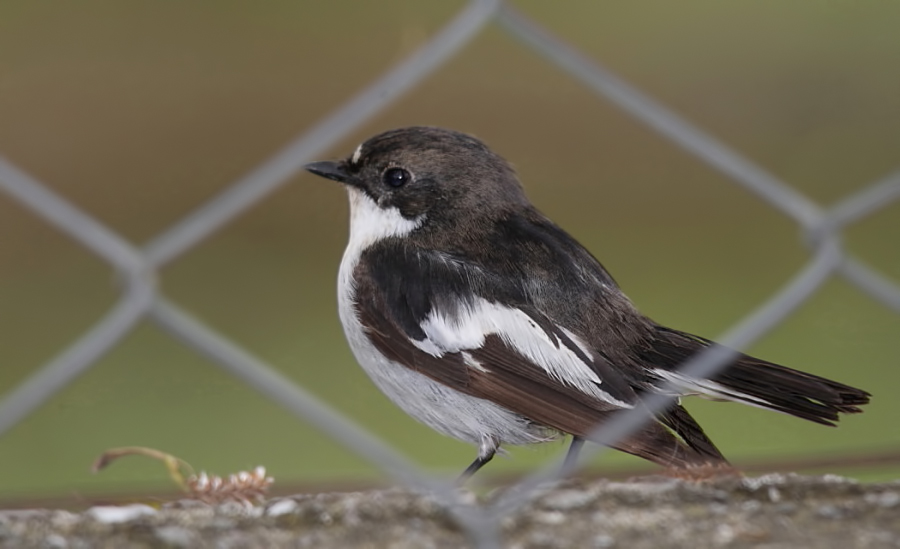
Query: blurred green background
pixel 139 112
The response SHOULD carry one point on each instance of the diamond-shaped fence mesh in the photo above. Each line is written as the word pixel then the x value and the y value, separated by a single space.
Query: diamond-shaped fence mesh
pixel 138 267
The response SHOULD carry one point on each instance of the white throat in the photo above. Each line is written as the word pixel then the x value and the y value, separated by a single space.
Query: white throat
pixel 370 223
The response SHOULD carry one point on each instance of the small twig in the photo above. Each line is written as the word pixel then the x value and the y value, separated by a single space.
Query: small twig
pixel 174 465
pixel 246 487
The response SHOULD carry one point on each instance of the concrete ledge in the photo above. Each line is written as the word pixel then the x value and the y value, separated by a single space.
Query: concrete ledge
pixel 772 511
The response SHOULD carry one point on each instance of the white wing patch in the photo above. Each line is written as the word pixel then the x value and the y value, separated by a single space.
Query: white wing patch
pixel 577 341
pixel 470 361
pixel 710 389
pixel 468 329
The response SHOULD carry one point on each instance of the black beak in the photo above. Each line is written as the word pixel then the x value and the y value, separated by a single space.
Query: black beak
pixel 329 170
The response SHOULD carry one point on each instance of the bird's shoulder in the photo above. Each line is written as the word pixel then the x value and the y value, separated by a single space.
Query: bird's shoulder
pixel 519 243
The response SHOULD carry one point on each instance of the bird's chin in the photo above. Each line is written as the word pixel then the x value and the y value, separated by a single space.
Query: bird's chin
pixel 354 195
pixel 358 199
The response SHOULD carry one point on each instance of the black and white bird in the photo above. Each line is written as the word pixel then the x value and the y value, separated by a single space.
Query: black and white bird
pixel 484 320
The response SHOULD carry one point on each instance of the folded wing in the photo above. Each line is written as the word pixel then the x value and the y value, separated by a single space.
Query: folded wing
pixel 507 353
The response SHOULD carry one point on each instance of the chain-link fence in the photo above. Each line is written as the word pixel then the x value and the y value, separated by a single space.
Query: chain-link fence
pixel 138 267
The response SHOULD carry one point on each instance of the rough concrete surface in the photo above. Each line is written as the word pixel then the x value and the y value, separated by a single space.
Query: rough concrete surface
pixel 772 511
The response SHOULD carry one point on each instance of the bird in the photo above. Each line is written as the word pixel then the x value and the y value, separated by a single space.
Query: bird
pixel 481 318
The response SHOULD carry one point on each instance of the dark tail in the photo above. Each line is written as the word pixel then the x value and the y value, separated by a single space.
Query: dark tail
pixel 755 382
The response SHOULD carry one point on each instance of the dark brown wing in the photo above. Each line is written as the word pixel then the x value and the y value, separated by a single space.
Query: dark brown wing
pixel 496 372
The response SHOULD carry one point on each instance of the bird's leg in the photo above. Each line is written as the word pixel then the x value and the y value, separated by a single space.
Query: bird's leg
pixel 486 451
pixel 479 462
pixel 572 455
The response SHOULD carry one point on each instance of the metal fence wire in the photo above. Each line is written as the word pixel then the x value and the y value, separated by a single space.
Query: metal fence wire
pixel 140 297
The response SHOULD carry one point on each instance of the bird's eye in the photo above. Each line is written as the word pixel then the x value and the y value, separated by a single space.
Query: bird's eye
pixel 396 177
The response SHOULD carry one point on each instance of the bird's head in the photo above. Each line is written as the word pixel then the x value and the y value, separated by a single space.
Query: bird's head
pixel 428 174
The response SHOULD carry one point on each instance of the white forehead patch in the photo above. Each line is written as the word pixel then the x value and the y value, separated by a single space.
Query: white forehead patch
pixel 356 154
